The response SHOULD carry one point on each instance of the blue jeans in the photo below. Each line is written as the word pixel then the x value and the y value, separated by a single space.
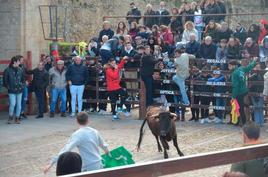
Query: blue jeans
pixel 55 93
pixel 24 99
pixel 14 101
pixel 77 92
pixel 200 31
pixel 148 82
pixel 258 111
pixel 181 83
pixel 40 96
pixel 219 102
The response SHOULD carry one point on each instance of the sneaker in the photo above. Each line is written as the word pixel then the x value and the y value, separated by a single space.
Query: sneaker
pixel 17 121
pixel 186 104
pixel 115 117
pixel 63 114
pixel 202 121
pixel 22 115
pixel 127 114
pixel 102 112
pixel 92 110
pixel 129 98
pixel 217 120
pixel 52 114
pixel 72 115
pixel 119 110
pixel 192 119
pixel 208 120
pixel 10 120
pixel 39 117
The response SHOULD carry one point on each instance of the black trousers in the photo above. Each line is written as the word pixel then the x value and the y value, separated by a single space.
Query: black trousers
pixel 114 96
pixel 195 111
pixel 240 100
pixel 40 96
pixel 103 95
pixel 204 111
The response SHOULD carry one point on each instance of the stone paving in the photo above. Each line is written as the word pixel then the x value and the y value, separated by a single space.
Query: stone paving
pixel 26 148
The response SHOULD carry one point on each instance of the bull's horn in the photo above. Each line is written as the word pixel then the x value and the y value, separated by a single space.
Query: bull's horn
pixel 155 115
pixel 174 116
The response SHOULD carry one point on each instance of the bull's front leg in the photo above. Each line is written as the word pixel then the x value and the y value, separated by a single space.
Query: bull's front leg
pixel 175 143
pixel 165 146
pixel 158 143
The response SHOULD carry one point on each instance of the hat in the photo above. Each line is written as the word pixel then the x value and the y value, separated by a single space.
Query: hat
pixel 132 3
pixel 60 62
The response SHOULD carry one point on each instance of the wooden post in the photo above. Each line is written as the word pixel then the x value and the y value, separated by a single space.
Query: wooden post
pixel 142 108
pixel 29 78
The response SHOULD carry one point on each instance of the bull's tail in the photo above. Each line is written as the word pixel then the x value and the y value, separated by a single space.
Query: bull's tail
pixel 141 134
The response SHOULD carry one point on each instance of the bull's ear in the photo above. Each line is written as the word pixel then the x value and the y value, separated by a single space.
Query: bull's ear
pixel 173 116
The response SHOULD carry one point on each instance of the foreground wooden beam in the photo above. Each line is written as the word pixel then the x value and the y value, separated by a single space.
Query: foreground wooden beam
pixel 182 164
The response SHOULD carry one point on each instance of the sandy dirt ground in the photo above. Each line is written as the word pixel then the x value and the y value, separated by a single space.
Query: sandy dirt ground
pixel 25 149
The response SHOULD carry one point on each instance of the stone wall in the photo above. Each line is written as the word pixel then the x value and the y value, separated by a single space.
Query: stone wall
pixel 10 20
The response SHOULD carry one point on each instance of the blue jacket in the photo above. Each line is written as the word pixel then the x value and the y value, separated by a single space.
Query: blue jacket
pixel 77 74
pixel 192 47
pixel 218 89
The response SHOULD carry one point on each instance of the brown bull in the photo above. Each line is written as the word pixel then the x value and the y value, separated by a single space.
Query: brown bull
pixel 161 124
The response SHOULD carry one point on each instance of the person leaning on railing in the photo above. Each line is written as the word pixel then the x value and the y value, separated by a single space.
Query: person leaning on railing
pixel 148 62
pixel 112 72
pixel 239 86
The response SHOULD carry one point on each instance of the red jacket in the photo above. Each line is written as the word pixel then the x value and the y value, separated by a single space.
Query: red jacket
pixel 113 77
pixel 168 37
pixel 263 31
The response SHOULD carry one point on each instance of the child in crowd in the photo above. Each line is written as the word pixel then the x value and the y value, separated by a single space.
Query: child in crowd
pixel 221 54
pixel 219 101
pixel 205 100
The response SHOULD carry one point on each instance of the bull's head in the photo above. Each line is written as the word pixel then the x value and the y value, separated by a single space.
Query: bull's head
pixel 165 122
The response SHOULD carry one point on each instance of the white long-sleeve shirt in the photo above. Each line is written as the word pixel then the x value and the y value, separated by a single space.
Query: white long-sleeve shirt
pixel 88 141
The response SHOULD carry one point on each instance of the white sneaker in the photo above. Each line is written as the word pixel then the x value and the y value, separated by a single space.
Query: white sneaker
pixel 72 115
pixel 127 114
pixel 208 120
pixel 202 121
pixel 217 120
pixel 102 112
pixel 119 110
pixel 115 117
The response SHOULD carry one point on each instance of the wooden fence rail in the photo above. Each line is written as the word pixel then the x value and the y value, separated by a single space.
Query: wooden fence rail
pixel 182 164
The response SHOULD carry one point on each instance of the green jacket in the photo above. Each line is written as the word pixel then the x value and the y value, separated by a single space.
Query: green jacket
pixel 253 168
pixel 239 86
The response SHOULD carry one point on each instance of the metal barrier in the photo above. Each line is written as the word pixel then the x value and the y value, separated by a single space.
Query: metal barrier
pixel 190 82
pixel 182 164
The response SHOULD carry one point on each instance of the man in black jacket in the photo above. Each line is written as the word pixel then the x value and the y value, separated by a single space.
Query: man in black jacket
pixel 147 69
pixel 39 83
pixel 163 11
pixel 134 11
pixel 149 21
pixel 14 81
pixel 77 76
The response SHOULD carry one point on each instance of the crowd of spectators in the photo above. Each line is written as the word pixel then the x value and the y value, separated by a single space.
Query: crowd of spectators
pixel 163 39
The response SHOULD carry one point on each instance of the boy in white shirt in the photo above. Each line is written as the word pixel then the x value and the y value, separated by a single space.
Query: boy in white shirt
pixel 88 141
